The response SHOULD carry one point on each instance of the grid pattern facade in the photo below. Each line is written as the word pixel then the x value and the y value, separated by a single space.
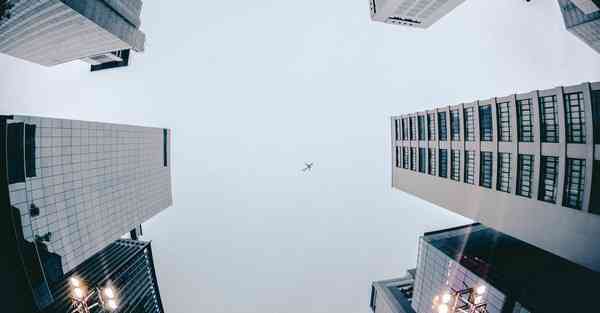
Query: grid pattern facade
pixel 422 160
pixel 51 32
pixel 431 126
pixel 583 26
pixel 574 184
pixel 437 273
pixel 500 164
pixel 94 182
pixel 432 170
pixel 422 127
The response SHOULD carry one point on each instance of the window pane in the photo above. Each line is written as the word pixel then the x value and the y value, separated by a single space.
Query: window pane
pixel 524 174
pixel 485 175
pixel 443 163
pixel 422 160
pixel 432 165
pixel 485 123
pixel 421 127
pixel 405 129
pixel 469 124
pixel 413 128
pixel 396 130
pixel 575 117
pixel 503 172
pixel 574 184
pixel 455 125
pixel 405 158
pixel 503 112
pixel 525 119
pixel 30 150
pixel 548 179
pixel 470 167
pixel 413 159
pixel 596 115
pixel 442 126
pixel 549 119
pixel 455 166
pixel 397 156
pixel 165 147
pixel 15 152
pixel 431 126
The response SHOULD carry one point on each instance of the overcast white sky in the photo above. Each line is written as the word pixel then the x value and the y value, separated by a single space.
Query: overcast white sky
pixel 252 89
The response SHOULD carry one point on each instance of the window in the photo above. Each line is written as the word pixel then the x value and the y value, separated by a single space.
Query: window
pixel 524 174
pixel 30 150
pixel 431 126
pixel 470 167
pixel 503 172
pixel 485 172
pixel 405 158
pixel 469 124
pixel 397 156
pixel 525 119
pixel 442 126
pixel 444 163
pixel 373 303
pixel 15 152
pixel 485 122
pixel 422 160
pixel 455 125
pixel 422 127
pixel 455 166
pixel 412 128
pixel 397 130
pixel 432 165
pixel 413 159
pixel 575 117
pixel 596 115
pixel 548 179
pixel 549 117
pixel 595 196
pixel 503 112
pixel 574 184
pixel 165 147
pixel 405 129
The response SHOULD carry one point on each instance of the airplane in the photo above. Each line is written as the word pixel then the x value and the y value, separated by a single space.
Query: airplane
pixel 308 166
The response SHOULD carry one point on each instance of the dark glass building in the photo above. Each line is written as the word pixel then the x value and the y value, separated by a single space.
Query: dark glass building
pixel 127 266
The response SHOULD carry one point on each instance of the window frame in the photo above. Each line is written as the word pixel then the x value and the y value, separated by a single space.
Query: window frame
pixel 548 174
pixel 574 189
pixel 486 165
pixel 486 128
pixel 503 121
pixel 525 120
pixel 504 172
pixel 469 177
pixel 525 166
pixel 469 120
pixel 443 163
pixel 455 164
pixel 575 117
pixel 455 125
pixel 549 129
pixel 442 126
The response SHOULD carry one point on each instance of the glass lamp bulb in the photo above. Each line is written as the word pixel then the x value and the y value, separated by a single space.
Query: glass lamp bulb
pixel 109 292
pixel 480 290
pixel 446 298
pixel 443 308
pixel 78 293
pixel 112 304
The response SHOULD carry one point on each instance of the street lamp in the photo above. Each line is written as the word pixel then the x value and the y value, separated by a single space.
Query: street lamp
pixel 468 300
pixel 83 301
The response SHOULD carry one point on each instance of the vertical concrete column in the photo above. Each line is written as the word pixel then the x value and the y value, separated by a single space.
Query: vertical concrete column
pixel 562 140
pixel 461 114
pixel 537 140
pixel 477 143
pixel 494 105
pixel 514 140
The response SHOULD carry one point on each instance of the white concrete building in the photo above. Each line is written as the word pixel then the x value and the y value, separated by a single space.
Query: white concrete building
pixel 51 32
pixel 582 19
pixel 414 13
pixel 525 164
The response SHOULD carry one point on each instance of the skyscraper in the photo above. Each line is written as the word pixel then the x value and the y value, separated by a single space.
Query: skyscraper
pixel 51 32
pixel 125 265
pixel 461 268
pixel 525 164
pixel 71 188
pixel 414 13
pixel 582 19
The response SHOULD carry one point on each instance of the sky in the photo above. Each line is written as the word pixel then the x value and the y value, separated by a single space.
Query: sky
pixel 252 90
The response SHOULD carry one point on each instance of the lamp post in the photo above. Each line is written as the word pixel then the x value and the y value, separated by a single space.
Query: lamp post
pixel 84 301
pixel 468 300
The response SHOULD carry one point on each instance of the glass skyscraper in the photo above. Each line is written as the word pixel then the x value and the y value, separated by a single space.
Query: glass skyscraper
pixel 71 188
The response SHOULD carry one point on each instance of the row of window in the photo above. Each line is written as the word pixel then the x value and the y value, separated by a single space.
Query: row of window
pixel 435 162
pixel 423 127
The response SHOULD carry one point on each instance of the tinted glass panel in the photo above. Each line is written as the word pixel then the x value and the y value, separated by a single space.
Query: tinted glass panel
pixel 503 112
pixel 397 156
pixel 525 119
pixel 443 163
pixel 15 152
pixel 524 175
pixel 455 166
pixel 596 115
pixel 432 164
pixel 549 119
pixel 485 123
pixel 548 178
pixel 504 172
pixel 396 130
pixel 422 127
pixel 30 150
pixel 422 160
pixel 574 184
pixel 455 125
pixel 413 159
pixel 165 147
pixel 431 126
pixel 405 158
pixel 485 175
pixel 595 196
pixel 469 124
pixel 470 167
pixel 575 117
pixel 442 126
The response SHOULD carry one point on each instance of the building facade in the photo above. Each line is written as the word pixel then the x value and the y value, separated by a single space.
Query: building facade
pixel 582 19
pixel 507 274
pixel 393 295
pixel 71 188
pixel 51 32
pixel 125 265
pixel 413 13
pixel 524 164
